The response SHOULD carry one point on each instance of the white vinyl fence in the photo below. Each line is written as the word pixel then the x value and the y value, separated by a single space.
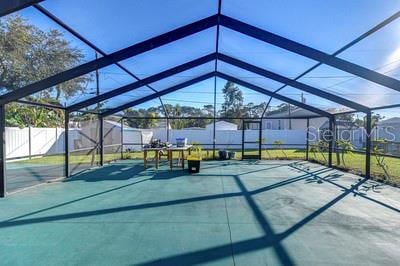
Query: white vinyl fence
pixel 24 142
pixel 229 139
pixel 49 141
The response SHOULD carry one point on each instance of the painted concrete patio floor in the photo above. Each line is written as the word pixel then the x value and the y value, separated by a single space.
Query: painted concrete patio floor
pixel 231 213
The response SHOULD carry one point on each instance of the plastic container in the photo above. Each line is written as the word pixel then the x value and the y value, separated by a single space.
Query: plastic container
pixel 181 142
pixel 222 155
pixel 193 164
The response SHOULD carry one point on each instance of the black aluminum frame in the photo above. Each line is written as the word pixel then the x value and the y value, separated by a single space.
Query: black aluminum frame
pixel 218 20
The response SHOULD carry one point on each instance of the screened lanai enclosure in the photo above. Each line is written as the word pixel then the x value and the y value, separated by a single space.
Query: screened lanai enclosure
pixel 289 111
pixel 83 89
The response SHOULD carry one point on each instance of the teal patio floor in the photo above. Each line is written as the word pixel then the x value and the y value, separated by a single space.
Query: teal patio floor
pixel 231 213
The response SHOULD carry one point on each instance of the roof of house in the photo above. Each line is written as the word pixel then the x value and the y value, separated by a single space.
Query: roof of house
pixel 223 123
pixel 391 121
pixel 294 113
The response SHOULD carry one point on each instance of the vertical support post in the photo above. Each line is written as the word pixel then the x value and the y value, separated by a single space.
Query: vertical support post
pixel 122 138
pixel 3 181
pixel 30 142
pixel 66 142
pixel 259 140
pixel 290 117
pixel 308 139
pixel 215 114
pixel 242 122
pixel 101 133
pixel 331 140
pixel 167 129
pixel 368 145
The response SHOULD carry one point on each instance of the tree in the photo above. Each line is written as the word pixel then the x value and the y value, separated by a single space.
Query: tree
pixel 29 54
pixel 375 118
pixel 149 118
pixel 254 110
pixel 282 108
pixel 345 117
pixel 233 100
pixel 22 115
pixel 208 110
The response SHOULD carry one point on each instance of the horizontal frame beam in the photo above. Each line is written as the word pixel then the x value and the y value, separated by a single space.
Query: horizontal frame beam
pixel 143 82
pixel 222 117
pixel 293 83
pixel 274 95
pixel 112 58
pixel 10 6
pixel 386 107
pixel 158 94
pixel 41 104
pixel 309 52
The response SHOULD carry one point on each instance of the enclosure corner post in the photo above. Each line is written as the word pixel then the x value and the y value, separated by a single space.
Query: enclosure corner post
pixel 368 145
pixel 307 138
pixel 331 140
pixel 3 180
pixel 66 142
pixel 101 133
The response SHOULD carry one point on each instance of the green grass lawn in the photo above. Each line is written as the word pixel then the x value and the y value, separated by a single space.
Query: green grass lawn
pixel 356 163
pixel 352 161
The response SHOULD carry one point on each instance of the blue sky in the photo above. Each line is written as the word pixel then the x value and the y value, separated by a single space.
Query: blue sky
pixel 325 25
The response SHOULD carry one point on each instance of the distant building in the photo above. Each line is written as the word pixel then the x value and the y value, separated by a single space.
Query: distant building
pixel 162 124
pixel 388 129
pixel 392 122
pixel 89 133
pixel 279 123
pixel 340 124
pixel 222 125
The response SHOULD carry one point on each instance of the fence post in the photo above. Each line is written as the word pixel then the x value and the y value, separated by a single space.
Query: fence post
pixel 368 145
pixel 101 133
pixel 66 143
pixel 3 181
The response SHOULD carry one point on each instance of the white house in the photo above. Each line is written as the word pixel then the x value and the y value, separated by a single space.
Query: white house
pixel 389 129
pixel 163 124
pixel 287 123
pixel 222 125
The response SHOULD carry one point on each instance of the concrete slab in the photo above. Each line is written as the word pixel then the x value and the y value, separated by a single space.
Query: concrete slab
pixel 231 213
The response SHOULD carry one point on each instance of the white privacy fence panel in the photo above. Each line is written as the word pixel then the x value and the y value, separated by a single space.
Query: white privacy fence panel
pixel 202 136
pixel 24 142
pixel 229 139
pixel 47 141
pixel 17 142
pixel 135 139
pixel 290 138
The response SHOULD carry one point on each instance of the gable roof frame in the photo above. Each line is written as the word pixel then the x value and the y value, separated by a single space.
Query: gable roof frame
pixel 195 27
pixel 221 75
pixel 229 60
